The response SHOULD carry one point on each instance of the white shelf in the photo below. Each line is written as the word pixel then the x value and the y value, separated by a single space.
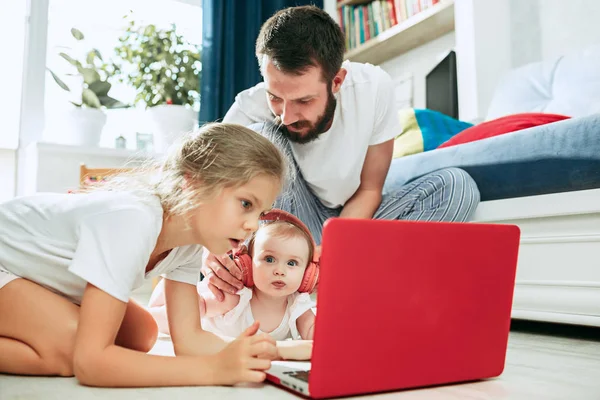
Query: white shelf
pixel 57 148
pixel 419 29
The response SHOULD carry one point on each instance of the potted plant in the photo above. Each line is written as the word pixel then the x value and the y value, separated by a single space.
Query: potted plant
pixel 165 70
pixel 87 119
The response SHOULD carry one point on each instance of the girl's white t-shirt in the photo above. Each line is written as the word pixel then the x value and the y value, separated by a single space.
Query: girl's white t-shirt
pixel 365 115
pixel 64 241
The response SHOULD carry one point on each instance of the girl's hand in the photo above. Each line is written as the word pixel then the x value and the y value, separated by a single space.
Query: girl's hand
pixel 245 359
pixel 222 274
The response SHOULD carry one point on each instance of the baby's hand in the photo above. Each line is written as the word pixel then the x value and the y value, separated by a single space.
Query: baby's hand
pixel 299 350
pixel 246 358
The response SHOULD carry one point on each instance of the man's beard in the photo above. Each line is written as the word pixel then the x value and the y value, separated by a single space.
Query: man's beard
pixel 316 129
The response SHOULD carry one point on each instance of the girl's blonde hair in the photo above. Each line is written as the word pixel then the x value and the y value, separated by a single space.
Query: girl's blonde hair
pixel 203 162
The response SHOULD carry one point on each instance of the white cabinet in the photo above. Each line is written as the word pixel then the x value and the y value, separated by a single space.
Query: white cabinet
pixel 48 167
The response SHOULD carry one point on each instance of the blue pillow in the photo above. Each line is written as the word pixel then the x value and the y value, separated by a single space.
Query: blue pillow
pixel 423 130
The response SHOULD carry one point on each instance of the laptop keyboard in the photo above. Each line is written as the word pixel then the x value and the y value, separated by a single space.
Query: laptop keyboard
pixel 302 375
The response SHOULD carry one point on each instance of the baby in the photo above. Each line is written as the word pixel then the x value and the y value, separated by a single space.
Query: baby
pixel 278 271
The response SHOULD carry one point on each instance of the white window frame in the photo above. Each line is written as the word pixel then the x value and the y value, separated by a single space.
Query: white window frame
pixel 34 75
pixel 34 82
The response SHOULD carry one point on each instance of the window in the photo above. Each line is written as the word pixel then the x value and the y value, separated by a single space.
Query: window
pixel 102 23
pixel 12 29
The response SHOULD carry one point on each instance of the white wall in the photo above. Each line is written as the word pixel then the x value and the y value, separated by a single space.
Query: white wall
pixel 494 37
pixel 544 29
pixel 525 32
pixel 568 25
pixel 483 47
pixel 418 63
pixel 7 174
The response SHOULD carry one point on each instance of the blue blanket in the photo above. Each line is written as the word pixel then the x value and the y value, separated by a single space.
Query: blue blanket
pixel 559 157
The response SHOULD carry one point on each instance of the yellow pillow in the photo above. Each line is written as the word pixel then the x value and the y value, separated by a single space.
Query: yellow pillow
pixel 410 140
pixel 424 130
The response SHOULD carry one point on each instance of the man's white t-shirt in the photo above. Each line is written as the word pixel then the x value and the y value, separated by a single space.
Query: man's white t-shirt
pixel 364 116
pixel 64 241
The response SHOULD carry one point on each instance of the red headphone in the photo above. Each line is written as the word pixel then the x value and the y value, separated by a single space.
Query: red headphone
pixel 311 275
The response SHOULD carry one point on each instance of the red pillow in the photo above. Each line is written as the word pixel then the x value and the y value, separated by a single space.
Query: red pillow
pixel 510 123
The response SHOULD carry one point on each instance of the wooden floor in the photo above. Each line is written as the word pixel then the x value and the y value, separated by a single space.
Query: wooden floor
pixel 543 362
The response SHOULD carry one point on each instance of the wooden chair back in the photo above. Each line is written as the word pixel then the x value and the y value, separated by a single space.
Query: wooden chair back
pixel 87 175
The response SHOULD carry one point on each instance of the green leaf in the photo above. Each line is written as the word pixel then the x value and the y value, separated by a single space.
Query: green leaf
pixel 100 88
pixel 164 65
pixel 59 81
pixel 90 75
pixel 90 57
pixel 77 34
pixel 98 54
pixel 150 30
pixel 110 102
pixel 90 99
pixel 71 60
pixel 75 104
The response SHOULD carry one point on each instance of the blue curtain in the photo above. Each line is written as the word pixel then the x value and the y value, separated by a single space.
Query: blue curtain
pixel 229 31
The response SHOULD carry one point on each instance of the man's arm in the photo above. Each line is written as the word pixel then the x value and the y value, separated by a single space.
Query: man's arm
pixel 367 198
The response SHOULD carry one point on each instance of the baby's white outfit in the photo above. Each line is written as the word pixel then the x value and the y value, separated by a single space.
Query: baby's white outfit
pixel 237 320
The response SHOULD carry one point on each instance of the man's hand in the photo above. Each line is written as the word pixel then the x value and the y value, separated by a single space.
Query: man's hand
pixel 367 198
pixel 222 275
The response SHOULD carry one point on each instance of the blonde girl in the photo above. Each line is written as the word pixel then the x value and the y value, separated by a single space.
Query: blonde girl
pixel 69 262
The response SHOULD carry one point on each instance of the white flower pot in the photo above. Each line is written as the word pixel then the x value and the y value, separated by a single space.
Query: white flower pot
pixel 170 122
pixel 82 127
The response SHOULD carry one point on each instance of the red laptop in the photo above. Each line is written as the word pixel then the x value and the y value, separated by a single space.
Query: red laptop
pixel 407 304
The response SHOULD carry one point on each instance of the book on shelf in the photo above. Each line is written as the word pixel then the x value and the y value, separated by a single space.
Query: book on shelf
pixel 365 20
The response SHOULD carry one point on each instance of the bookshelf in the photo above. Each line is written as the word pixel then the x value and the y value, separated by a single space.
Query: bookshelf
pixel 413 32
